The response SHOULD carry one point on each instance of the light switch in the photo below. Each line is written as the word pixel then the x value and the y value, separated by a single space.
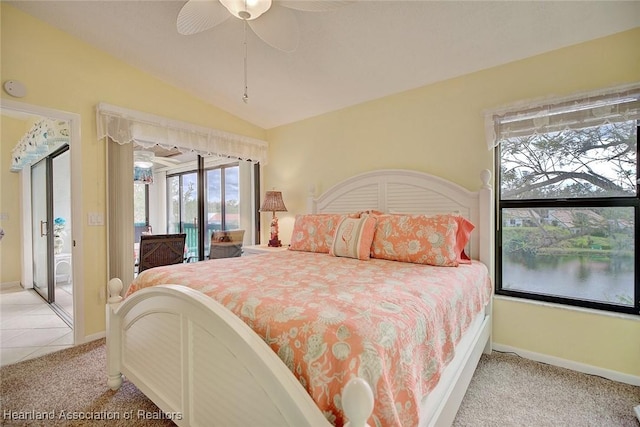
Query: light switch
pixel 96 219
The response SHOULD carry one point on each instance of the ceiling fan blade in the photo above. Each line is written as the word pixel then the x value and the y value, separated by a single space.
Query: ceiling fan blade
pixel 200 15
pixel 314 5
pixel 278 27
pixel 165 161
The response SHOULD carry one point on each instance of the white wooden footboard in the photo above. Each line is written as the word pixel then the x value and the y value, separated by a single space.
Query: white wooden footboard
pixel 202 366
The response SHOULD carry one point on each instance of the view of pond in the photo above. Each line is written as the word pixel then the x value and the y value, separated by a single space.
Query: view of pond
pixel 601 279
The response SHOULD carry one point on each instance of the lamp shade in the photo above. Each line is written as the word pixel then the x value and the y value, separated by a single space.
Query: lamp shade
pixel 273 202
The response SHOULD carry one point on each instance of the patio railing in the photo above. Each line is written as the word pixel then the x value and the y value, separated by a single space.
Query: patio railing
pixel 191 230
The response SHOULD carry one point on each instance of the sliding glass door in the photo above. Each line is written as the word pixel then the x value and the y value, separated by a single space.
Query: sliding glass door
pixel 51 235
pixel 41 230
pixel 219 202
pixel 222 204
pixel 62 239
pixel 182 209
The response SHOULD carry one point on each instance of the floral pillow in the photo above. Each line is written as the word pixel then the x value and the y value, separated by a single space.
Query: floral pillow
pixel 314 232
pixel 419 239
pixel 353 237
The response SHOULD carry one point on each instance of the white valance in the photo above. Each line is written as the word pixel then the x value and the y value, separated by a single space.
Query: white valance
pixel 553 115
pixel 125 126
pixel 44 137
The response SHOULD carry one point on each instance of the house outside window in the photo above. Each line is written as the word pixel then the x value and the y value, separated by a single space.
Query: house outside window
pixel 568 202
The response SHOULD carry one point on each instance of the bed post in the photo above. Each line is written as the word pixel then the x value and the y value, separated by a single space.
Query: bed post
pixel 487 238
pixel 486 221
pixel 114 339
pixel 311 199
pixel 357 402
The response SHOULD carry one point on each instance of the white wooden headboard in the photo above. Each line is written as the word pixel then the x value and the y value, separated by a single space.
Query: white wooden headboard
pixel 407 191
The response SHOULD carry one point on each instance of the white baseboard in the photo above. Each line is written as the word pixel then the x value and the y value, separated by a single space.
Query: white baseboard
pixel 570 364
pixel 92 337
pixel 5 285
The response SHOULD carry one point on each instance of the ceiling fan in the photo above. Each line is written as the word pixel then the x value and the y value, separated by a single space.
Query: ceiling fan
pixel 273 21
pixel 145 159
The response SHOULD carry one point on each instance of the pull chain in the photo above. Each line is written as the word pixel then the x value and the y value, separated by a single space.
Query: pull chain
pixel 245 96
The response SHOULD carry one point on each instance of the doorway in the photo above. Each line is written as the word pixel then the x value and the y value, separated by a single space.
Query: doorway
pixel 51 232
pixel 24 112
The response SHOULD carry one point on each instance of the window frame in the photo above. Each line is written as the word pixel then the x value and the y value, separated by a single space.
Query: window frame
pixel 202 199
pixel 179 175
pixel 147 224
pixel 621 201
pixel 223 200
pixel 146 204
pixel 223 213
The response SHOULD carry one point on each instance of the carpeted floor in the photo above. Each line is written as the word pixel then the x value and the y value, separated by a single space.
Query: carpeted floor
pixel 71 384
pixel 506 390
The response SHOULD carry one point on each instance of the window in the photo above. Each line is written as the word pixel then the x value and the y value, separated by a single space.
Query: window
pixel 182 208
pixel 221 204
pixel 140 209
pixel 222 199
pixel 123 128
pixel 568 203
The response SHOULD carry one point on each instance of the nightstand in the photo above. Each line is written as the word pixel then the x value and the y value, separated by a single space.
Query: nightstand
pixel 262 249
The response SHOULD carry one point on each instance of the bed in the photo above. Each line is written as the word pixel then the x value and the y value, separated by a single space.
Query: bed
pixel 314 336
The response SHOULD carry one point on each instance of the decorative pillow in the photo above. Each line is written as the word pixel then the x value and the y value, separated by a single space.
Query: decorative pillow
pixel 419 239
pixel 314 232
pixel 353 237
pixel 462 238
pixel 369 212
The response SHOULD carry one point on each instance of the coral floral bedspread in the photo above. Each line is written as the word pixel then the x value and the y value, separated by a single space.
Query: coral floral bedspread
pixel 329 319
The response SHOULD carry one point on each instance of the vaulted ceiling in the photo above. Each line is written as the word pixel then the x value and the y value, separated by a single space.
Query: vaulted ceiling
pixel 360 51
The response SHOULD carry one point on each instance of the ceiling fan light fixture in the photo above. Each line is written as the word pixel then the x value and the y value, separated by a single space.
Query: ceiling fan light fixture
pixel 246 10
pixel 143 159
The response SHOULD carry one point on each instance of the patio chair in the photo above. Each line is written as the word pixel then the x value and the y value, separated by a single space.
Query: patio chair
pixel 161 249
pixel 226 244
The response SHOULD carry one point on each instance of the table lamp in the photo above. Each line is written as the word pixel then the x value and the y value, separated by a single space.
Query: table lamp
pixel 273 203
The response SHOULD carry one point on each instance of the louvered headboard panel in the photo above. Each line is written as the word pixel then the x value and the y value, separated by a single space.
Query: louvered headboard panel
pixel 355 198
pixel 408 198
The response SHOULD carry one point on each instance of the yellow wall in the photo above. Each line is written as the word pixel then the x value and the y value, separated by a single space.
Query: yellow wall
pixel 439 129
pixel 606 341
pixel 63 73
pixel 11 130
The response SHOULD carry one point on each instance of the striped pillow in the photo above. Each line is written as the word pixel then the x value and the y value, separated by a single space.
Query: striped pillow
pixel 353 237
